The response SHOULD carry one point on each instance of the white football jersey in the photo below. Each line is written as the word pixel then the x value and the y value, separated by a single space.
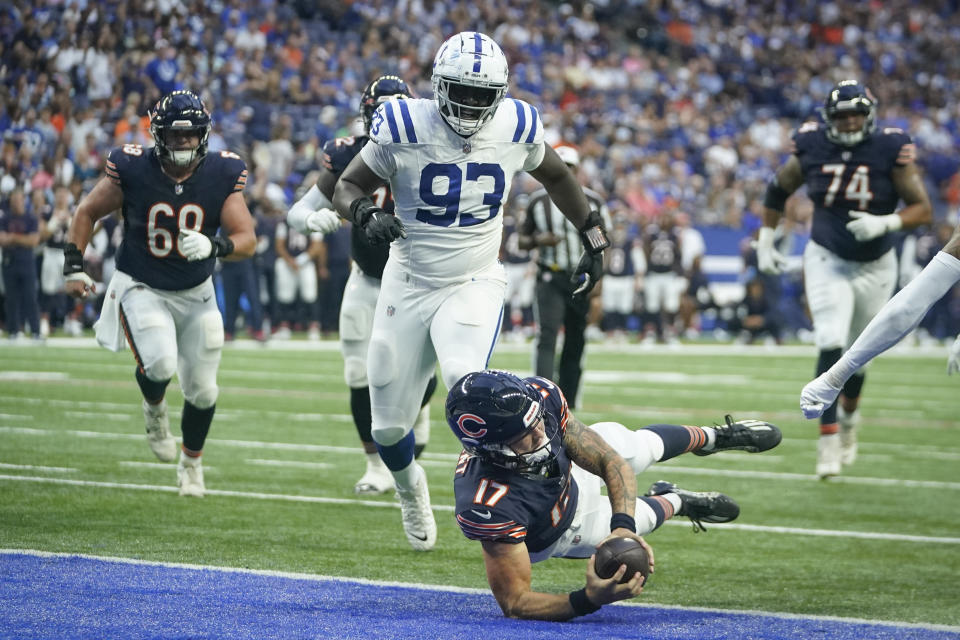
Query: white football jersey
pixel 449 190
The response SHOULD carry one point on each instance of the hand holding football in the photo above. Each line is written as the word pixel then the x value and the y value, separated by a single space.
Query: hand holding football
pixel 617 551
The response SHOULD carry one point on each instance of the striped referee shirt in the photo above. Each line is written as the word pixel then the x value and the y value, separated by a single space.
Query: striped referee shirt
pixel 542 215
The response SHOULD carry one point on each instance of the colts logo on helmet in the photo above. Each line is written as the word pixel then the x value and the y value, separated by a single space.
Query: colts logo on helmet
pixel 469 417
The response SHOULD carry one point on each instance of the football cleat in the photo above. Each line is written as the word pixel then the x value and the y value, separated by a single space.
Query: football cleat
pixel 746 435
pixel 700 507
pixel 190 476
pixel 849 425
pixel 158 431
pixel 376 480
pixel 829 456
pixel 418 522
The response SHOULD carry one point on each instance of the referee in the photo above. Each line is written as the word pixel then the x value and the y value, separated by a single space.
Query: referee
pixel 558 247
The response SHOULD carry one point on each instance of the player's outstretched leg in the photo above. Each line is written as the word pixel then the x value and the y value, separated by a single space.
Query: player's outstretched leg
pixel 700 507
pixel 744 435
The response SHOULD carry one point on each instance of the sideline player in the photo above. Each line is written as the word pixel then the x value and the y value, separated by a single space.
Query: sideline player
pixel 855 176
pixel 174 197
pixel 312 213
pixel 528 485
pixel 449 162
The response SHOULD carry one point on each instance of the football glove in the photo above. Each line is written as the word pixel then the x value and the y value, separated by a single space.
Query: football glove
pixel 866 226
pixel 953 362
pixel 379 226
pixel 196 246
pixel 590 266
pixel 816 396
pixel 323 220
pixel 769 260
pixel 73 272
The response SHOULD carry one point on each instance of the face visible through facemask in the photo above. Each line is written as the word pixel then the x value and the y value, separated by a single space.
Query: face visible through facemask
pixel 532 447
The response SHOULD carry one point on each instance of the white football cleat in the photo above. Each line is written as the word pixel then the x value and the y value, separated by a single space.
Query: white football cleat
pixel 849 425
pixel 376 480
pixel 159 438
pixel 421 428
pixel 828 456
pixel 190 476
pixel 418 522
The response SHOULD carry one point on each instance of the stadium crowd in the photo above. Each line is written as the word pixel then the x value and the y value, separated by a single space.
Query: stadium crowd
pixel 680 111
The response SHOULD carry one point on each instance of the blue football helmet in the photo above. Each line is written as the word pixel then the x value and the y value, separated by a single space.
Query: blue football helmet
pixel 847 96
pixel 378 91
pixel 489 409
pixel 469 81
pixel 180 111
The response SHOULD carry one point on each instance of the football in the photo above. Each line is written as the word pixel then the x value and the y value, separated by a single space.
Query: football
pixel 617 551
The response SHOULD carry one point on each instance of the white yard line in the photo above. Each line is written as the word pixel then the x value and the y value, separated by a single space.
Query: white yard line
pixel 863 535
pixel 33 467
pixel 467 590
pixel 299 464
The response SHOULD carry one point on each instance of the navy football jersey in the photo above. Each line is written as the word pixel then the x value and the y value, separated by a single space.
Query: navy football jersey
pixel 840 179
pixel 499 505
pixel 618 257
pixel 371 258
pixel 155 208
pixel 663 249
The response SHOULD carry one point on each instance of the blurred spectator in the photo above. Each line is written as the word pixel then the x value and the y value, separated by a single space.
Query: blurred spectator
pixel 18 236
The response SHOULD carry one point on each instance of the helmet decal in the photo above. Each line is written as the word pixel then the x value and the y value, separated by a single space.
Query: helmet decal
pixel 469 417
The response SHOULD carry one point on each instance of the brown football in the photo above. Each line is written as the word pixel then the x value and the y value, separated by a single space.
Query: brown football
pixel 617 551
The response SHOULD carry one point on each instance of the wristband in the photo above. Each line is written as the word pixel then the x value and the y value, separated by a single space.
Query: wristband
pixel 360 210
pixel 623 521
pixel 72 259
pixel 581 603
pixel 592 235
pixel 221 246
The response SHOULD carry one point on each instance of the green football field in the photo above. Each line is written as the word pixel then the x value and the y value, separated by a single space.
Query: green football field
pixel 881 542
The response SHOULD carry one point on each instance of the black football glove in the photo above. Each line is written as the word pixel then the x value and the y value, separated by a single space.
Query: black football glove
pixel 379 226
pixel 594 240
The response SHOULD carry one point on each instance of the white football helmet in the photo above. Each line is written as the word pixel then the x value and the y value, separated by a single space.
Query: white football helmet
pixel 469 80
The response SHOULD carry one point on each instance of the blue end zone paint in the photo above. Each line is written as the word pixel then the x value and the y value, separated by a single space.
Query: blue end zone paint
pixel 78 598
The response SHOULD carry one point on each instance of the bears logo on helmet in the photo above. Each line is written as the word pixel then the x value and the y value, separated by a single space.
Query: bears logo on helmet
pixel 180 111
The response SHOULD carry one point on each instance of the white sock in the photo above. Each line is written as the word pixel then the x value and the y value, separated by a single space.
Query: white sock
pixel 711 438
pixel 408 477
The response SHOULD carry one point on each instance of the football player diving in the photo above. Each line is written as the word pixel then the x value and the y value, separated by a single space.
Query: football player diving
pixel 528 486
pixel 449 162
pixel 312 213
pixel 855 175
pixel 173 198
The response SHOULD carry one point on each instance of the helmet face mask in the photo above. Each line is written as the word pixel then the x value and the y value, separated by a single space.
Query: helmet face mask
pixel 490 410
pixel 379 91
pixel 469 81
pixel 178 116
pixel 849 96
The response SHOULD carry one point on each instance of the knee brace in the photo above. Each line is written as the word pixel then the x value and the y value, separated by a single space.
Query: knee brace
pixel 355 372
pixel 382 361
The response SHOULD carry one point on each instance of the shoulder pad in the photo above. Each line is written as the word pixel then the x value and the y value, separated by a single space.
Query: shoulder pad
pixel 521 122
pixel 392 123
pixel 233 167
pixel 338 153
pixel 120 158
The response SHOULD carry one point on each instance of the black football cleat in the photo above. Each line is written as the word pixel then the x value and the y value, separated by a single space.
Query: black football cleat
pixel 700 507
pixel 746 435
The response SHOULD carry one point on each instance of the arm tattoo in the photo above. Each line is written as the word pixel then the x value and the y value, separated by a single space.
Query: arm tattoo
pixel 592 453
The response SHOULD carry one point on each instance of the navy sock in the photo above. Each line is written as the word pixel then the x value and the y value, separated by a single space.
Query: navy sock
pixel 152 391
pixel 195 425
pixel 398 456
pixel 360 408
pixel 678 439
pixel 661 508
pixel 825 360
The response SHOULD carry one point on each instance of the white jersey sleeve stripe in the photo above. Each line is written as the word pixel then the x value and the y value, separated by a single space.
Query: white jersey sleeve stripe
pixel 392 121
pixel 407 121
pixel 521 121
pixel 534 118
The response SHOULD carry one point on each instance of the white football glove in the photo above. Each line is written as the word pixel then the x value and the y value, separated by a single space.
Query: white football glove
pixel 816 396
pixel 194 245
pixel 769 260
pixel 323 220
pixel 953 362
pixel 866 226
pixel 87 282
